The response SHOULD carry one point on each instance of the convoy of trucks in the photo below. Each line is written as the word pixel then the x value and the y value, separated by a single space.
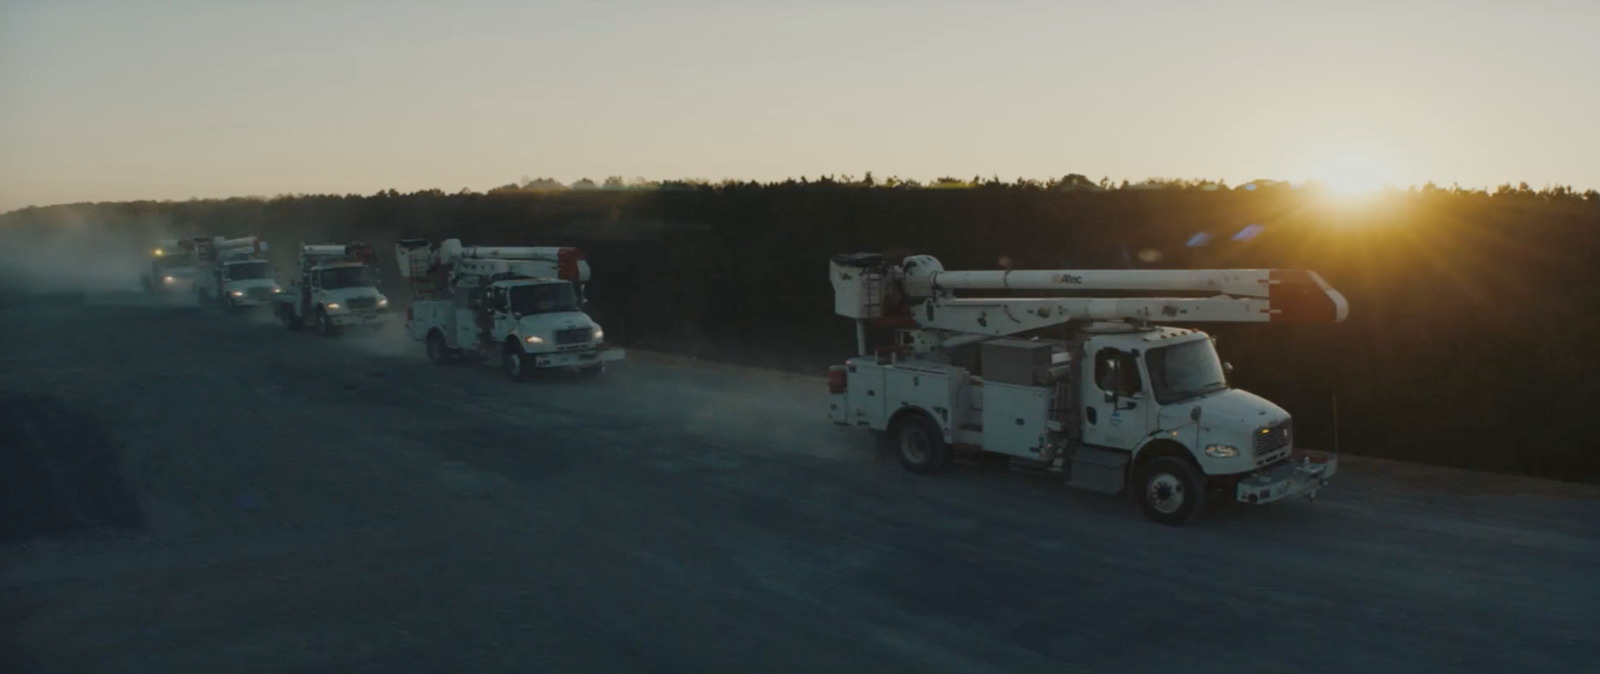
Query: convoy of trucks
pixel 519 306
pixel 1081 373
pixel 335 287
pixel 1076 376
pixel 235 274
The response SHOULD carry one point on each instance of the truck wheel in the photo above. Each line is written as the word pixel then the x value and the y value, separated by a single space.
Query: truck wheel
pixel 920 444
pixel 1170 490
pixel 290 320
pixel 438 352
pixel 325 326
pixel 515 363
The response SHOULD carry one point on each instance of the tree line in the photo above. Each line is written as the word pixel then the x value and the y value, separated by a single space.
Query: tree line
pixel 1470 343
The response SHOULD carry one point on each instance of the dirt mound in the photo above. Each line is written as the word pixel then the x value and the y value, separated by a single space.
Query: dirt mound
pixel 58 472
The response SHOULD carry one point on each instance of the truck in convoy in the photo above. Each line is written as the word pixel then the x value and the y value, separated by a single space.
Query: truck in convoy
pixel 1077 373
pixel 519 306
pixel 237 276
pixel 174 265
pixel 335 288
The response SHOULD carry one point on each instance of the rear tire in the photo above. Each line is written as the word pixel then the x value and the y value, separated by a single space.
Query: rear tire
pixel 919 443
pixel 438 351
pixel 1170 490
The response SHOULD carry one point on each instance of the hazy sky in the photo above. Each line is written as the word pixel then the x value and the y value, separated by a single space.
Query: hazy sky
pixel 171 100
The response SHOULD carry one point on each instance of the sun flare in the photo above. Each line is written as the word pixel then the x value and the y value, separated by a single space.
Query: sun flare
pixel 1351 175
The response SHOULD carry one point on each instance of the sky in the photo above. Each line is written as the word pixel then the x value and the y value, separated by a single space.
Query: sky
pixel 103 101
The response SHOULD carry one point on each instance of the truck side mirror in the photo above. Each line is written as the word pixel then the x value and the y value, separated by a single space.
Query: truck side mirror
pixel 1227 368
pixel 1111 397
pixel 1194 414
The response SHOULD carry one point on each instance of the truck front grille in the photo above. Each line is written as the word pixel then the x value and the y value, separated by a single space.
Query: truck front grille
pixel 1273 442
pixel 258 293
pixel 573 336
pixel 362 303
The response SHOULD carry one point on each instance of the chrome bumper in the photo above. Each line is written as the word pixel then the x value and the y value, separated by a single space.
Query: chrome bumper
pixel 1302 474
pixel 364 318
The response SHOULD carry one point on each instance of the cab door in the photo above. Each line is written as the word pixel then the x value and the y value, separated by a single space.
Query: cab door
pixel 1114 399
pixel 504 323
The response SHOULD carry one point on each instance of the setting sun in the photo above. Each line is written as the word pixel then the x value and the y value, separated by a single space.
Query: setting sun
pixel 1351 174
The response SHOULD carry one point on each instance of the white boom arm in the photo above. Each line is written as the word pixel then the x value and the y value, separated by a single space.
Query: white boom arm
pixel 240 248
pixel 862 283
pixel 566 263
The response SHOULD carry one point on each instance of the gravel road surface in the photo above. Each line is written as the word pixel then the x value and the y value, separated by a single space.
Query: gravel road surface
pixel 192 492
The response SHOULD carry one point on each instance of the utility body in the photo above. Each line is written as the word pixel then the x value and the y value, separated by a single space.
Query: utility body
pixel 174 265
pixel 335 287
pixel 237 275
pixel 521 307
pixel 1069 372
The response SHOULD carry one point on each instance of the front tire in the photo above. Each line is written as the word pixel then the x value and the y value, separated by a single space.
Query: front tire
pixel 325 326
pixel 1170 490
pixel 290 320
pixel 515 363
pixel 920 444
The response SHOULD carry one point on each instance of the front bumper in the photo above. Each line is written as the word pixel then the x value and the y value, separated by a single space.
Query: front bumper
pixel 252 300
pixel 359 318
pixel 1302 474
pixel 576 358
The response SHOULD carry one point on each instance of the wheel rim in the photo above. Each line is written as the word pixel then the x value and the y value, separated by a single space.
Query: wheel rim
pixel 914 445
pixel 514 364
pixel 1165 493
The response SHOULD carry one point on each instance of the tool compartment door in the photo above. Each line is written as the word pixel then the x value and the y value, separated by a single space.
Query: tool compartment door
pixel 928 388
pixel 865 395
pixel 1015 418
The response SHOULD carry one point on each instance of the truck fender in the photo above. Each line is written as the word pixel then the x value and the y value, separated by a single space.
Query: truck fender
pixel 1155 448
pixel 912 410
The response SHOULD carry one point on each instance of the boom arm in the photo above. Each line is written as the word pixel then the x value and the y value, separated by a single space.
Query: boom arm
pixel 862 284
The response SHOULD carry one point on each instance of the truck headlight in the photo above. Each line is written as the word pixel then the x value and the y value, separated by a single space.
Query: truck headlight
pixel 1222 451
pixel 276 289
pixel 599 334
pixel 168 279
pixel 237 293
pixel 383 301
pixel 333 305
pixel 535 339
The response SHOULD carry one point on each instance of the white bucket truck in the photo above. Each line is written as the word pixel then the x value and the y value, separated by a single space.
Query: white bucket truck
pixel 519 306
pixel 1069 372
pixel 239 275
pixel 336 288
pixel 174 266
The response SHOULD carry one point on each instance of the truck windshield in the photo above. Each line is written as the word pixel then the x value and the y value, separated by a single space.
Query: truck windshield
pixel 348 277
pixel 1183 371
pixel 174 260
pixel 543 298
pixel 246 271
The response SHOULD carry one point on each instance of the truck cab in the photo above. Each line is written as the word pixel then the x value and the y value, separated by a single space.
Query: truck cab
pixel 1167 386
pixel 241 284
pixel 172 268
pixel 335 289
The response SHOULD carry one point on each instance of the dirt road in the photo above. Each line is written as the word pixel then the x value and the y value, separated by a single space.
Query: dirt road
pixel 280 502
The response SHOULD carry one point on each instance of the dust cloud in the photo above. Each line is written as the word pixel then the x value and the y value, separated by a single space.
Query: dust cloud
pixel 73 254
